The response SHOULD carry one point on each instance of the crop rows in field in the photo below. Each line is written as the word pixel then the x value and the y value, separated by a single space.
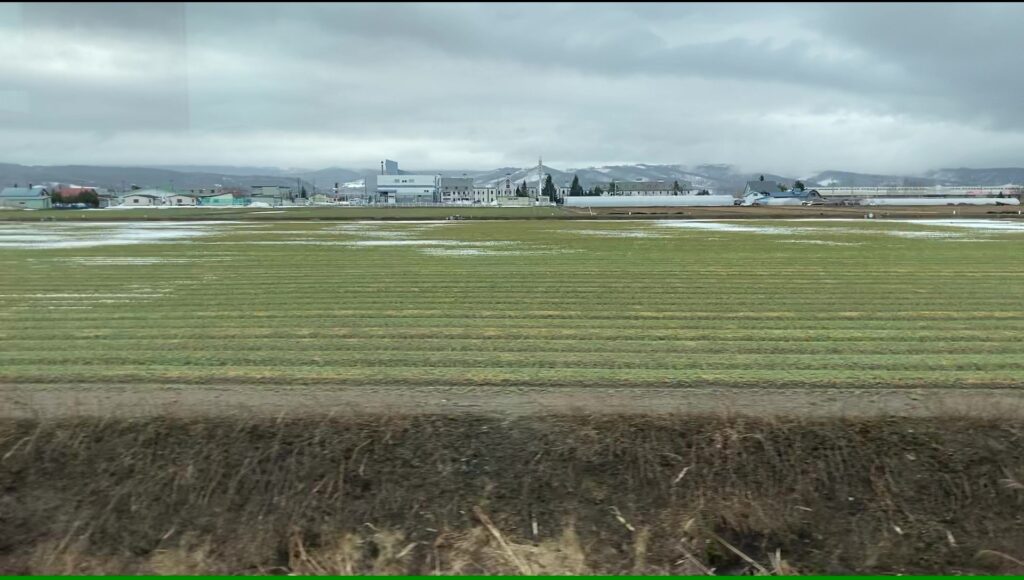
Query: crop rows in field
pixel 539 304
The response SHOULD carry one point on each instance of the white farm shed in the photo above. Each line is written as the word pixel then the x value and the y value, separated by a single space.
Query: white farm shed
pixel 141 199
pixel 181 200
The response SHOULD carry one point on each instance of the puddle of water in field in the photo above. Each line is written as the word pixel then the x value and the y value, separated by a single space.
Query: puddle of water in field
pixel 479 252
pixel 89 235
pixel 115 261
pixel 386 230
pixel 423 243
pixel 923 235
pixel 403 222
pixel 933 228
pixel 57 295
pixel 372 233
pixel 820 242
pixel 618 233
pixel 729 227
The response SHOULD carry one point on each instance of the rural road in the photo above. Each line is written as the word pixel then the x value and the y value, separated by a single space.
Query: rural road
pixel 144 400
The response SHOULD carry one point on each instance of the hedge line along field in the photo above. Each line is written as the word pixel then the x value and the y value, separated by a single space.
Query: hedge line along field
pixel 553 494
pixel 519 304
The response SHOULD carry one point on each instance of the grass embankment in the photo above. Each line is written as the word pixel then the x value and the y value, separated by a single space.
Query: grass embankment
pixel 428 494
pixel 519 304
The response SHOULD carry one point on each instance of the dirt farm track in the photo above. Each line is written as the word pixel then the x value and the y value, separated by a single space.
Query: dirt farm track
pixel 254 401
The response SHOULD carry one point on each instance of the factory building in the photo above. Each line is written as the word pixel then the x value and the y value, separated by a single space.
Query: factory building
pixel 456 189
pixel 406 189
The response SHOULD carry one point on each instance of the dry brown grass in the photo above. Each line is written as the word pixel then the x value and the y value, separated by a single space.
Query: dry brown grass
pixel 531 495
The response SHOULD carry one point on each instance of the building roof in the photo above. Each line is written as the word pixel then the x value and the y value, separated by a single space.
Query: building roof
pixel 788 193
pixel 766 186
pixel 647 185
pixel 150 193
pixel 37 191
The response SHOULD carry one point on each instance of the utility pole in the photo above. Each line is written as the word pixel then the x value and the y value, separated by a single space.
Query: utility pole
pixel 540 177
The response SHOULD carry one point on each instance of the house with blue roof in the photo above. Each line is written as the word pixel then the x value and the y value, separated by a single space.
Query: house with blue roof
pixel 31 197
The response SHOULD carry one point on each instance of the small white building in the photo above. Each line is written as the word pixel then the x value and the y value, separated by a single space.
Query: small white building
pixel 180 199
pixel 145 197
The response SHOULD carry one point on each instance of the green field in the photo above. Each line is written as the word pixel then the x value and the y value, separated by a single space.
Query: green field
pixel 518 304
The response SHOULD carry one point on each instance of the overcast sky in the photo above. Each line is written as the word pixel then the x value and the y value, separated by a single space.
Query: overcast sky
pixel 786 88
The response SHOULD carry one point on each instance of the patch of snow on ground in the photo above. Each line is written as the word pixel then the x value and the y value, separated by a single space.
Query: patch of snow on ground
pixel 728 227
pixel 89 235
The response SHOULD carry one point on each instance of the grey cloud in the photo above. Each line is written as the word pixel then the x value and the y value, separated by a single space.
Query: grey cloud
pixel 99 67
pixel 800 87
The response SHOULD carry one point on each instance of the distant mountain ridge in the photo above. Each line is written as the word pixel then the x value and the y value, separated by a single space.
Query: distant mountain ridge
pixel 118 178
pixel 721 178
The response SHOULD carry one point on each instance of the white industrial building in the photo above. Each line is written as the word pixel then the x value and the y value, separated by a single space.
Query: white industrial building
pixel 403 189
pixel 922 191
